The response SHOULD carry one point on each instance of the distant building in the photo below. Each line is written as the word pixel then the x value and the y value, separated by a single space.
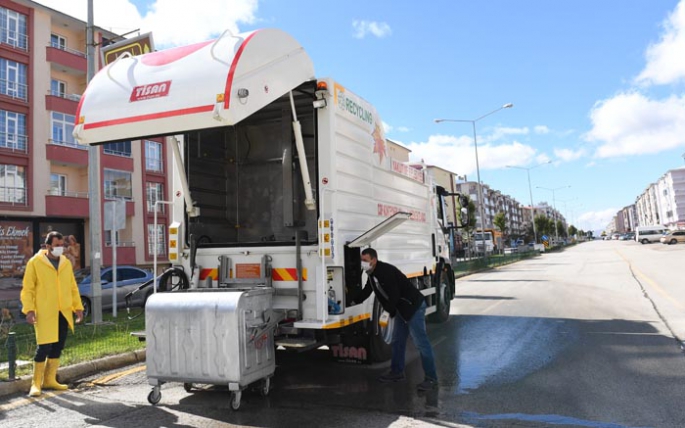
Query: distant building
pixel 663 202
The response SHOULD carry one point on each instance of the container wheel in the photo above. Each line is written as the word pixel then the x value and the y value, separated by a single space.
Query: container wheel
pixel 266 387
pixel 188 386
pixel 154 396
pixel 444 299
pixel 235 400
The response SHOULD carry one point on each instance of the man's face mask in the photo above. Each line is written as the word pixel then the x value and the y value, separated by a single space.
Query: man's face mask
pixel 366 266
pixel 57 251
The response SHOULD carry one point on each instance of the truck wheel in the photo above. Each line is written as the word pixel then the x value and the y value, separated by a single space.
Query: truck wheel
pixel 444 294
pixel 379 350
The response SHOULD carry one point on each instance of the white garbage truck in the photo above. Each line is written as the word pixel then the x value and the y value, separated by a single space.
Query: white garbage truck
pixel 281 179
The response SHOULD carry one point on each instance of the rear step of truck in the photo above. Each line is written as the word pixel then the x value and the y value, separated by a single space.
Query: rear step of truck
pixel 299 344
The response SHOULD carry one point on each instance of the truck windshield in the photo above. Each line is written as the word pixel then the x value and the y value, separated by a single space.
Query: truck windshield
pixel 246 178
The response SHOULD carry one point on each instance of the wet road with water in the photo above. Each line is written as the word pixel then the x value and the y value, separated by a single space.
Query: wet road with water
pixel 565 339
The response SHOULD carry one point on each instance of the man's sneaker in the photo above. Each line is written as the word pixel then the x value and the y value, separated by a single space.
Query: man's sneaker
pixel 427 385
pixel 391 377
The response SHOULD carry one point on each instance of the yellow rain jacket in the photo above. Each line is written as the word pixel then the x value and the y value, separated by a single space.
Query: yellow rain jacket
pixel 47 292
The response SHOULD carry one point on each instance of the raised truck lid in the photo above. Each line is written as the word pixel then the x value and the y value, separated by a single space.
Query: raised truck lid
pixel 210 84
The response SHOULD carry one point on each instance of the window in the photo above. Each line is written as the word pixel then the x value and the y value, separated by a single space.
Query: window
pixel 57 41
pixel 126 274
pixel 117 184
pixel 161 246
pixel 13 184
pixel 13 79
pixel 58 184
pixel 58 88
pixel 62 129
pixel 153 156
pixel 154 192
pixel 122 148
pixel 13 29
pixel 108 237
pixel 13 131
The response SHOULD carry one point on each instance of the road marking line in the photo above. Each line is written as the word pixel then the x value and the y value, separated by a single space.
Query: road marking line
pixel 21 402
pixel 493 306
pixel 651 282
pixel 114 376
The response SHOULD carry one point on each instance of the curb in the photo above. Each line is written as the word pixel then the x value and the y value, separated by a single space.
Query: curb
pixel 71 373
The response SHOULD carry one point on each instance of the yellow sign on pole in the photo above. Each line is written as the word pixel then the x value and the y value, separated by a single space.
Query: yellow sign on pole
pixel 135 46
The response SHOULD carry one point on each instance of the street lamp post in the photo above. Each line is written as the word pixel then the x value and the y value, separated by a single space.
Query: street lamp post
pixel 530 190
pixel 475 144
pixel 554 205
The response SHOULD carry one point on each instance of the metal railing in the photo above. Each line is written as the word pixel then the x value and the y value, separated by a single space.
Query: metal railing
pixel 14 89
pixel 66 49
pixel 14 39
pixel 116 152
pixel 67 194
pixel 72 97
pixel 72 144
pixel 120 244
pixel 16 196
pixel 14 142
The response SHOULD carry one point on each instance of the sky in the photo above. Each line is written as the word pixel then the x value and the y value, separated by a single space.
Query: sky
pixel 598 87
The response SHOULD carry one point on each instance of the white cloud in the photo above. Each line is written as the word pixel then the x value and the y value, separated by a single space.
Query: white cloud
pixel 568 155
pixel 541 129
pixel 596 220
pixel 364 28
pixel 632 124
pixel 387 128
pixel 665 62
pixel 166 19
pixel 457 154
pixel 403 129
pixel 502 131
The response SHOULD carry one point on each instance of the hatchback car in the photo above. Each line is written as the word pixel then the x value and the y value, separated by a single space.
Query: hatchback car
pixel 128 279
pixel 673 237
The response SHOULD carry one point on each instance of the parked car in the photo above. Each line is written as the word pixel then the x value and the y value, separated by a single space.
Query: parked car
pixel 128 279
pixel 673 237
pixel 628 236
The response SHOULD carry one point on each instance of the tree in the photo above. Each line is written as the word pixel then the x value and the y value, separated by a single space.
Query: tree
pixel 500 222
pixel 471 223
pixel 572 231
pixel 542 224
pixel 560 228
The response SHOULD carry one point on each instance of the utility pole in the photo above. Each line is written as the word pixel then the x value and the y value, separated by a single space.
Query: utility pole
pixel 94 191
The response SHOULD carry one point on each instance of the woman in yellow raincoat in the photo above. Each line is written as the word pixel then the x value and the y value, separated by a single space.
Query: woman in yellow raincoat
pixel 49 298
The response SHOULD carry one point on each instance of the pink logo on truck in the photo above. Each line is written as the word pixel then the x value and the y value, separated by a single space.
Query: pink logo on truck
pixel 153 90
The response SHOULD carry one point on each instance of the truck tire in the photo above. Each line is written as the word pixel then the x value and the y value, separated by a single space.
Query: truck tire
pixel 379 351
pixel 444 299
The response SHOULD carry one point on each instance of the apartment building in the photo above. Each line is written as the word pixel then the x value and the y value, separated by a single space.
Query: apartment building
pixel 43 170
pixel 663 202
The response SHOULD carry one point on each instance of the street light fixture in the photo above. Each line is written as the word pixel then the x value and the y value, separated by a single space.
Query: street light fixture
pixel 554 204
pixel 530 190
pixel 475 144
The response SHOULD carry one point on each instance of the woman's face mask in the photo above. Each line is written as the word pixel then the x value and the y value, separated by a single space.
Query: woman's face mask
pixel 57 251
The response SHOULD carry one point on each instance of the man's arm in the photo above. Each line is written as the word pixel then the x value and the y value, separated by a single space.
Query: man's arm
pixel 77 306
pixel 364 293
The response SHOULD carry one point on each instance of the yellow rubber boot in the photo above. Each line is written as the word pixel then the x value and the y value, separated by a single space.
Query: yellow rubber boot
pixel 50 381
pixel 37 384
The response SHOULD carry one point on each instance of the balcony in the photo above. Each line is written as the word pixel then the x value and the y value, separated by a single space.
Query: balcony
pixel 14 39
pixel 62 103
pixel 67 60
pixel 14 90
pixel 14 143
pixel 67 153
pixel 67 204
pixel 13 197
pixel 126 253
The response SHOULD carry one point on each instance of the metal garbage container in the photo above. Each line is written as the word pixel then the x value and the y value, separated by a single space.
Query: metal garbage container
pixel 211 336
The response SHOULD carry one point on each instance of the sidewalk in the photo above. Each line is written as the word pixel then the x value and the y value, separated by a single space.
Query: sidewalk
pixel 69 374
